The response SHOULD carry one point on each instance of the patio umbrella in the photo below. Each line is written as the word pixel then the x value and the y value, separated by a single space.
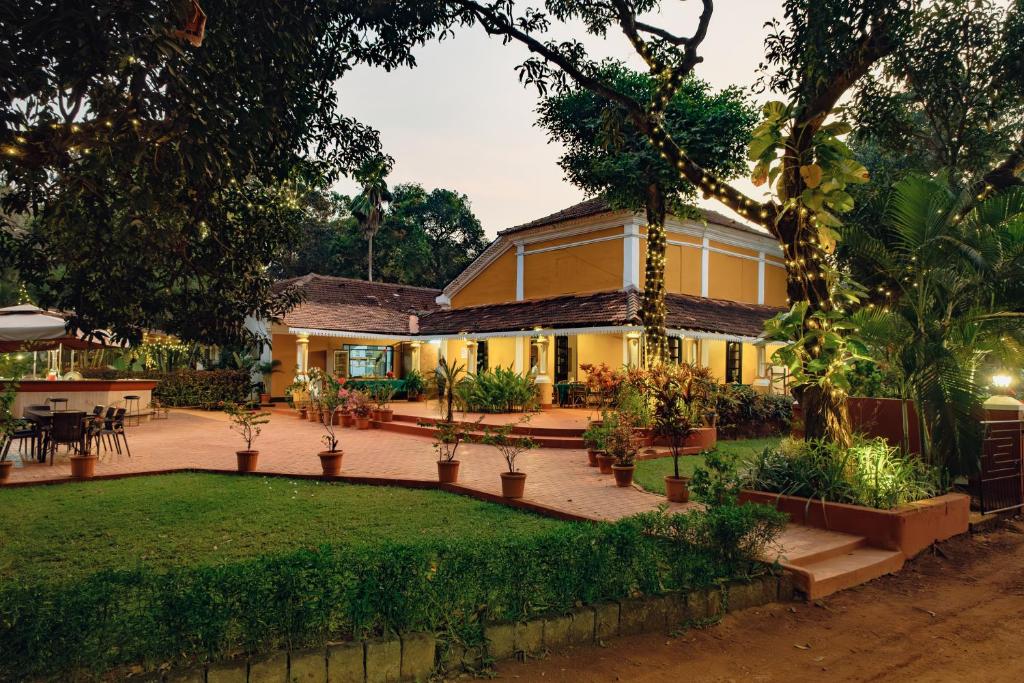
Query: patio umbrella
pixel 26 322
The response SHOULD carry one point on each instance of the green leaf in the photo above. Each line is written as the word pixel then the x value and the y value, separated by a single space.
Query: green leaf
pixel 840 201
pixel 759 146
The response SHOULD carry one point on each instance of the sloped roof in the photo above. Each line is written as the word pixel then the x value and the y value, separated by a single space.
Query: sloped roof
pixel 346 304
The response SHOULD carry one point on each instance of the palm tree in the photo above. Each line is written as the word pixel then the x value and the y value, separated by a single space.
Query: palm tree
pixel 368 206
pixel 946 279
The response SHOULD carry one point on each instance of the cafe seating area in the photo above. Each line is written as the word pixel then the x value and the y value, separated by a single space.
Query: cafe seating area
pixel 50 430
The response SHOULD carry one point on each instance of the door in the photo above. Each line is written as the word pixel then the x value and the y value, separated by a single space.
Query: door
pixel 733 362
pixel 562 359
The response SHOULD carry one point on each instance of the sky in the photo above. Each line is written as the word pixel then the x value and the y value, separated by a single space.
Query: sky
pixel 461 120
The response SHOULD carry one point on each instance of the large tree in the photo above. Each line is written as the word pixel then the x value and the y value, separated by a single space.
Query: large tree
pixel 815 56
pixel 152 170
pixel 368 206
pixel 606 155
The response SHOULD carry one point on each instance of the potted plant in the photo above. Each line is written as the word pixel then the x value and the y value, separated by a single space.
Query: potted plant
pixel 330 459
pixel 513 482
pixel 446 379
pixel 415 386
pixel 9 424
pixel 359 404
pixel 680 404
pixel 266 370
pixel 298 396
pixel 382 395
pixel 623 445
pixel 344 411
pixel 247 423
pixel 595 436
pixel 606 424
pixel 446 443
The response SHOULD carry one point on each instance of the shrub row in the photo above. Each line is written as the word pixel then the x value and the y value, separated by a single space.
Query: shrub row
pixel 743 412
pixel 501 390
pixel 303 598
pixel 203 388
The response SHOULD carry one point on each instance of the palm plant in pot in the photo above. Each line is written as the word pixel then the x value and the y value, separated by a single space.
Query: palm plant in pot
pixel 266 369
pixel 247 423
pixel 382 395
pixel 446 378
pixel 415 386
pixel 623 445
pixel 677 413
pixel 511 446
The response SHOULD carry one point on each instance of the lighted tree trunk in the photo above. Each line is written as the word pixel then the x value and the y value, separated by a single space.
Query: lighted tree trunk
pixel 653 307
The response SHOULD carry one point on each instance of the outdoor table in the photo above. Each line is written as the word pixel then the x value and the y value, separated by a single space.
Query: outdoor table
pixel 562 392
pixel 43 419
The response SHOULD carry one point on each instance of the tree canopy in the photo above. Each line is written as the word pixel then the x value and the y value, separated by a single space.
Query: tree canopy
pixel 159 178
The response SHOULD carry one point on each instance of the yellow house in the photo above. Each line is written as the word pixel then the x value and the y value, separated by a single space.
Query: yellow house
pixel 550 296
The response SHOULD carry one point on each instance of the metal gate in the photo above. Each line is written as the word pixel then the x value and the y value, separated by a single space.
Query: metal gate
pixel 1000 481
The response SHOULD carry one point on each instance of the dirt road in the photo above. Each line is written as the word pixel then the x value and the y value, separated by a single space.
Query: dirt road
pixel 957 615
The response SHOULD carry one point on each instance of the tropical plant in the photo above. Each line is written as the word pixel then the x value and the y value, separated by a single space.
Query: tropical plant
pixel 446 379
pixel 266 369
pixel 510 445
pixel 381 393
pixel 501 390
pixel 623 443
pixel 246 423
pixel 368 207
pixel 595 436
pixel 680 405
pixel 635 401
pixel 947 273
pixel 327 393
pixel 415 384
pixel 449 435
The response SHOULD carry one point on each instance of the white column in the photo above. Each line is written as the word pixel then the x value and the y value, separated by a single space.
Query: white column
pixel 414 356
pixel 705 260
pixel 541 342
pixel 471 355
pixel 760 277
pixel 631 256
pixel 520 269
pixel 301 356
pixel 520 349
pixel 633 349
pixel 705 356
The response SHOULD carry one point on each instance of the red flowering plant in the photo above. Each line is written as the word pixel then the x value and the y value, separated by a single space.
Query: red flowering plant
pixel 602 379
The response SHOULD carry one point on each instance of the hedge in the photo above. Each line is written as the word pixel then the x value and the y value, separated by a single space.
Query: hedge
pixel 303 598
pixel 745 413
pixel 189 388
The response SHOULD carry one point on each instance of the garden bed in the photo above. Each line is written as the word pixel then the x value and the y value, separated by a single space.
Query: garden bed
pixel 908 528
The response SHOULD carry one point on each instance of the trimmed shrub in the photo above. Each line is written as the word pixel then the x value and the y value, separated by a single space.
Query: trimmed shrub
pixel 501 390
pixel 189 388
pixel 303 598
pixel 745 413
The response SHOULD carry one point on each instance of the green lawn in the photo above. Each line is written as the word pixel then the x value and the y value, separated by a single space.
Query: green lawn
pixel 650 474
pixel 186 519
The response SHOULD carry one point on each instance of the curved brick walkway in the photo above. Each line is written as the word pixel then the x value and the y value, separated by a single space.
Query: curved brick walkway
pixel 556 478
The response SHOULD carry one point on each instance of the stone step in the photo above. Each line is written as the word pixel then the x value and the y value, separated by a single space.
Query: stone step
pixel 545 441
pixel 829 575
pixel 524 429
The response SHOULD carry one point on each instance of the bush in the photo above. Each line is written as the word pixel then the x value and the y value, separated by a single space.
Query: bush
pixel 502 390
pixel 305 597
pixel 745 413
pixel 870 473
pixel 188 388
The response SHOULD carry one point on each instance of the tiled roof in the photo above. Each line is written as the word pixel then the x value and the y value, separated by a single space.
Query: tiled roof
pixel 598 205
pixel 345 304
pixel 619 307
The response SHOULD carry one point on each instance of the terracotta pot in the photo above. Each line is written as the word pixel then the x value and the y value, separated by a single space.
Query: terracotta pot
pixel 414 399
pixel 347 419
pixel 375 414
pixel 605 462
pixel 385 415
pixel 677 490
pixel 83 466
pixel 264 399
pixel 591 458
pixel 247 460
pixel 330 461
pixel 448 471
pixel 5 470
pixel 623 474
pixel 302 413
pixel 313 415
pixel 335 418
pixel 513 484
pixel 362 423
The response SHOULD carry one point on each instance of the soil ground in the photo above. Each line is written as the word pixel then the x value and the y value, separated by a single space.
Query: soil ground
pixel 953 614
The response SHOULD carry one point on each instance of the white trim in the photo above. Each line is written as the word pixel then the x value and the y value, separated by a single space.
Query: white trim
pixel 571 245
pixel 760 278
pixel 520 270
pixel 697 334
pixel 518 360
pixel 314 332
pixel 704 264
pixel 547 332
pixel 724 234
pixel 631 255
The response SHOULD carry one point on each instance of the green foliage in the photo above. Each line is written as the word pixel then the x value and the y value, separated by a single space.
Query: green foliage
pixel 623 443
pixel 508 443
pixel 596 434
pixel 501 390
pixel 682 397
pixel 449 436
pixel 446 379
pixel 869 473
pixel 203 388
pixel 650 474
pixel 743 412
pixel 414 383
pixel 606 155
pixel 9 422
pixel 327 395
pixel 246 423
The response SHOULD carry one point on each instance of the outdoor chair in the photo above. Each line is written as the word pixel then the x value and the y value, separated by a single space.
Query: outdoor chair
pixel 66 431
pixel 113 431
pixel 25 431
pixel 577 395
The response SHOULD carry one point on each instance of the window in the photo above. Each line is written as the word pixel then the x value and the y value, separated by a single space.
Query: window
pixel 733 362
pixel 368 361
pixel 481 355
pixel 675 350
pixel 762 361
pixel 695 347
pixel 562 359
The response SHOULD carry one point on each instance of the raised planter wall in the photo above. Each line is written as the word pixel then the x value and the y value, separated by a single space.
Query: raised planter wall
pixel 909 528
pixel 418 656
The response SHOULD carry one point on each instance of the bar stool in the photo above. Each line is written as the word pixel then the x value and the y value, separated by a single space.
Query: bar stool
pixel 61 402
pixel 130 401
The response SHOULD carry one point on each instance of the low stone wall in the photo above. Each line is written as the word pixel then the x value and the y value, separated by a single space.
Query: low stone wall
pixel 416 656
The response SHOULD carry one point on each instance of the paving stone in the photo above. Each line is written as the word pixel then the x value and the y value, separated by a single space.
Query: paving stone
pixel 227 672
pixel 383 660
pixel 529 636
pixel 556 631
pixel 418 650
pixel 345 662
pixel 582 630
pixel 269 669
pixel 308 666
pixel 501 640
pixel 606 617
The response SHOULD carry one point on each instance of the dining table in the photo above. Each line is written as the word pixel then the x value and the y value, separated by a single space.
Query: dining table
pixel 42 419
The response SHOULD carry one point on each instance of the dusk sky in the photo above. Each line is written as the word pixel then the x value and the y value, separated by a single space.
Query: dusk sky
pixel 461 120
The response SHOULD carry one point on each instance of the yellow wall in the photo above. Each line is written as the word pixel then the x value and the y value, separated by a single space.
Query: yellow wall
pixel 774 286
pixel 716 357
pixel 495 284
pixel 573 270
pixel 598 348
pixel 283 348
pixel 732 278
pixel 501 352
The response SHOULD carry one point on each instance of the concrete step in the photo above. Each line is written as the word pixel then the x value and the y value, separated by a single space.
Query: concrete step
pixel 838 572
pixel 524 429
pixel 543 440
